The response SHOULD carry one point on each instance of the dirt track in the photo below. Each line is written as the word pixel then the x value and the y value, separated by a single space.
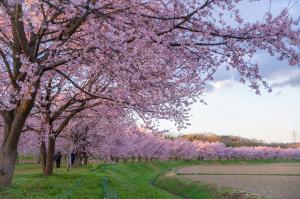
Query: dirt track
pixel 272 180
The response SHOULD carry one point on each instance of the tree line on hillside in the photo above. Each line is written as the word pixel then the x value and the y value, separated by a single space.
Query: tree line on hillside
pixel 231 140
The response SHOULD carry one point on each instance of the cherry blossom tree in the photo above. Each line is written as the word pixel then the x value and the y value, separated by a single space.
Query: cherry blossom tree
pixel 151 57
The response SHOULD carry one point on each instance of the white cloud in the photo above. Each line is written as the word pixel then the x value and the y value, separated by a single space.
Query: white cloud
pixel 287 77
pixel 218 85
pixel 222 84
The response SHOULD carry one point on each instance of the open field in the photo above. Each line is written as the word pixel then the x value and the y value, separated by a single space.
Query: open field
pixel 283 187
pixel 273 180
pixel 136 180
pixel 274 169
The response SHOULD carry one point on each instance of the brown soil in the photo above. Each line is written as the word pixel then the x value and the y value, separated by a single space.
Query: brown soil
pixel 290 169
pixel 271 180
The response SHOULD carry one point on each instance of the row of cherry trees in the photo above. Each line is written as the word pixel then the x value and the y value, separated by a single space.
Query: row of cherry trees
pixel 135 145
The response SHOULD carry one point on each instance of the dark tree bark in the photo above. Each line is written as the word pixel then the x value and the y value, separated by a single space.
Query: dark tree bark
pixel 50 155
pixel 43 155
pixel 13 124
pixel 7 165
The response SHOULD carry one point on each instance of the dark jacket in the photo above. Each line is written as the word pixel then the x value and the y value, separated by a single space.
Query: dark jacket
pixel 73 156
pixel 57 157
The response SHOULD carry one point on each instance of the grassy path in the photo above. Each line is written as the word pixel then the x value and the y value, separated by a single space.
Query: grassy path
pixel 124 180
pixel 130 180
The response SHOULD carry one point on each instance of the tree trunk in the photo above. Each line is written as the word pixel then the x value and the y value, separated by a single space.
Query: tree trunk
pixel 78 160
pixel 43 155
pixel 13 125
pixel 50 155
pixel 17 158
pixel 112 158
pixel 85 159
pixel 39 159
pixel 7 165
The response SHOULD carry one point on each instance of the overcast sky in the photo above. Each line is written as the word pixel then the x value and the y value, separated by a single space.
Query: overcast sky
pixel 235 109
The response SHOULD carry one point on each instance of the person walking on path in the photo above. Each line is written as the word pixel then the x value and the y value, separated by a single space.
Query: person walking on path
pixel 57 158
pixel 73 157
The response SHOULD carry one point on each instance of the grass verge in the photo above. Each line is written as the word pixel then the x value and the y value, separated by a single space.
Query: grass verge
pixel 136 180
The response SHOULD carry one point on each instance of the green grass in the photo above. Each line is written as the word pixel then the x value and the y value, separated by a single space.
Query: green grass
pixel 125 180
pixel 130 180
pixel 136 180
pixel 30 183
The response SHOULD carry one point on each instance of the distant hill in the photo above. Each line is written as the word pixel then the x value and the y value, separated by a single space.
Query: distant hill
pixel 235 141
pixel 294 145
